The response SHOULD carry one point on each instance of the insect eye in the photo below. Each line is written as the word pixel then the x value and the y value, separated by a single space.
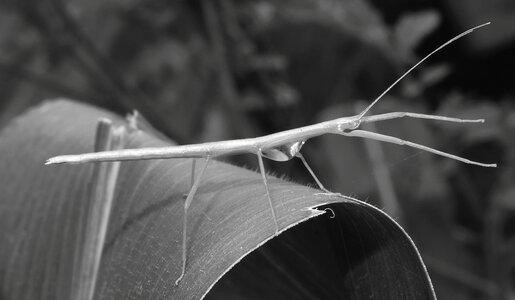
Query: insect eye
pixel 347 127
pixel 355 124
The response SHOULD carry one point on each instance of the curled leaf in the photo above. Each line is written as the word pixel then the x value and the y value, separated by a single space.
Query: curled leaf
pixel 359 252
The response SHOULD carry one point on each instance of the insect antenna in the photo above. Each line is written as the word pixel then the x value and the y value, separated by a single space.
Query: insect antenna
pixel 416 65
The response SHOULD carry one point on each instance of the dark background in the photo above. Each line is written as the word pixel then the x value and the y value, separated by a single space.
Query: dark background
pixel 215 70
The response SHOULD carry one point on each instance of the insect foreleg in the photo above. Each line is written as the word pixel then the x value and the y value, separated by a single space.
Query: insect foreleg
pixel 397 115
pixel 320 185
pixel 364 112
pixel 398 141
pixel 187 204
pixel 265 182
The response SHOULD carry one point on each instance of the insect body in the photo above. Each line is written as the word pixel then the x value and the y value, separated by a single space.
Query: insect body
pixel 280 146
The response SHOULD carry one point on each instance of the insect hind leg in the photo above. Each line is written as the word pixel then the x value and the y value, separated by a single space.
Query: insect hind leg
pixel 192 176
pixel 187 204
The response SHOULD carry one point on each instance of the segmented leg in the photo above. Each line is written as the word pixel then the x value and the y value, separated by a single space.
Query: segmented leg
pixel 265 182
pixel 320 185
pixel 187 204
pixel 403 114
pixel 193 163
pixel 398 141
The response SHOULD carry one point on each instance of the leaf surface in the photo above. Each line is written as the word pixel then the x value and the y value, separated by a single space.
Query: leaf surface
pixel 360 253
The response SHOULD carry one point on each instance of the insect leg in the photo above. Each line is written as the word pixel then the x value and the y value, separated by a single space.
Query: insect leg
pixel 398 141
pixel 320 185
pixel 397 115
pixel 192 181
pixel 187 204
pixel 263 174
pixel 193 163
pixel 364 112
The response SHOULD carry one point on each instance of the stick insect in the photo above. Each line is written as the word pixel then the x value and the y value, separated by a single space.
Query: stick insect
pixel 280 146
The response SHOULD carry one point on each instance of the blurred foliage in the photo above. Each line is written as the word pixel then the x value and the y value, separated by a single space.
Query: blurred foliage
pixel 212 70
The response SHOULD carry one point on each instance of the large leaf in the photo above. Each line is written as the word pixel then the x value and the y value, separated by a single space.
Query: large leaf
pixel 360 253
